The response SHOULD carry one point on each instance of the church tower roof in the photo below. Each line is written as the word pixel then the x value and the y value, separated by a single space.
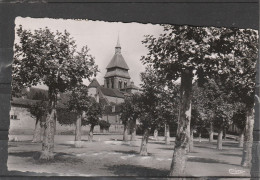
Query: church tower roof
pixel 94 83
pixel 117 60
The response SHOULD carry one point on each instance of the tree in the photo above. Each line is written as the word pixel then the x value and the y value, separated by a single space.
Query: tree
pixel 148 102
pixel 129 114
pixel 239 119
pixel 78 103
pixel 126 109
pixel 179 53
pixel 50 58
pixel 92 116
pixel 38 110
pixel 185 51
pixel 104 125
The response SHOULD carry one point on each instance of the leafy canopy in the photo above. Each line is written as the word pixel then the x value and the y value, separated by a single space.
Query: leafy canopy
pixel 51 58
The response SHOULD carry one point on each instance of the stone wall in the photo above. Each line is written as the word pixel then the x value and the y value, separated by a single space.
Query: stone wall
pixel 25 123
pixel 115 99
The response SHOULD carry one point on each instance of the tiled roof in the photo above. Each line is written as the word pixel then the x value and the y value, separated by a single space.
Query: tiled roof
pixel 118 72
pixel 111 92
pixel 118 61
pixel 132 86
pixel 94 83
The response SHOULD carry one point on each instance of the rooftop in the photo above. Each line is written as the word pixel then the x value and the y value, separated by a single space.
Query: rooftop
pixel 94 83
pixel 111 92
pixel 117 61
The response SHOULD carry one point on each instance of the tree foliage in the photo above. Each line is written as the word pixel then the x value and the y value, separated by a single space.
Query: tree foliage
pixel 51 58
pixel 38 110
pixel 93 114
pixel 104 124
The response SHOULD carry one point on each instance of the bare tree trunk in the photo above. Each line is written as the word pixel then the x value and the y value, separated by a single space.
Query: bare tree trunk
pixel 211 133
pixel 125 135
pixel 199 136
pixel 167 134
pixel 241 139
pixel 133 131
pixel 78 142
pixel 143 150
pixel 90 135
pixel 220 134
pixel 48 138
pixel 224 134
pixel 182 138
pixel 248 141
pixel 254 171
pixel 191 141
pixel 37 135
pixel 155 135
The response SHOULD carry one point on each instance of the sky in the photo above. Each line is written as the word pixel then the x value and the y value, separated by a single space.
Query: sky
pixel 101 38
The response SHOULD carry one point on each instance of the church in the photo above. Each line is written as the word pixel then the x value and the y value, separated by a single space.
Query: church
pixel 111 94
pixel 117 86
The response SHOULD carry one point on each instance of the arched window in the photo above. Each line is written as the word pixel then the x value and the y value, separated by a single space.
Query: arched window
pixel 125 84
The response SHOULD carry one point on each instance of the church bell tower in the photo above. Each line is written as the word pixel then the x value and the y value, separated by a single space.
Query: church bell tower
pixel 117 76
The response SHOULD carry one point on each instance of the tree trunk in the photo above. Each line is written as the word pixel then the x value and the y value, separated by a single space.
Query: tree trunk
pixel 182 138
pixel 155 135
pixel 241 139
pixel 125 135
pixel 248 141
pixel 191 141
pixel 133 131
pixel 188 131
pixel 199 136
pixel 143 150
pixel 211 133
pixel 254 171
pixel 220 134
pixel 90 135
pixel 167 134
pixel 37 131
pixel 224 134
pixel 48 137
pixel 78 142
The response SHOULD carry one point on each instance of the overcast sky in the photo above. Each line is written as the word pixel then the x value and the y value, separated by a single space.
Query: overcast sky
pixel 101 38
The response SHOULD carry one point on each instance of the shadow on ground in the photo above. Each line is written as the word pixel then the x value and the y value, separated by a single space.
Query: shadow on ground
pixel 166 148
pixel 59 157
pixel 23 154
pixel 227 154
pixel 28 173
pixel 209 160
pixel 69 145
pixel 127 152
pixel 135 170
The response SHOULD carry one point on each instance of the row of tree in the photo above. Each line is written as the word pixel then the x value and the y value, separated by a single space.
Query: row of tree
pixel 216 70
pixel 73 108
